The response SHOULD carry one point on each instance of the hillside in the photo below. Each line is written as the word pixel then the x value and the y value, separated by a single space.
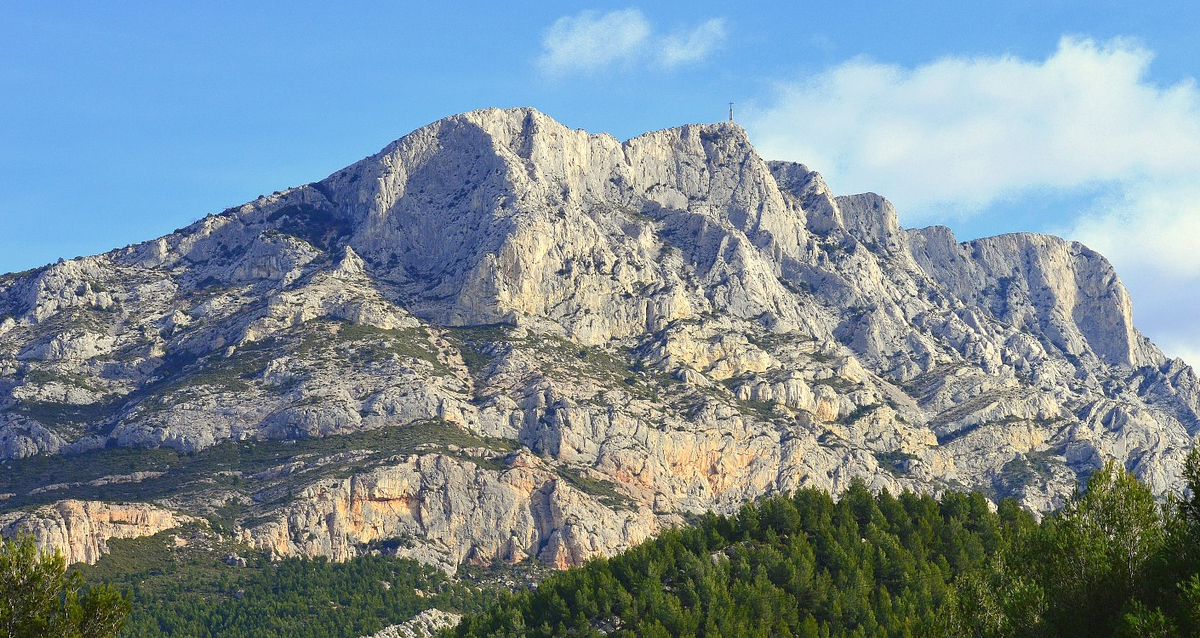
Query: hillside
pixel 500 338
pixel 1111 562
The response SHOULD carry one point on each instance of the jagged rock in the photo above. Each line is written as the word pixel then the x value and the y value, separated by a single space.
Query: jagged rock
pixel 423 625
pixel 453 512
pixel 662 326
pixel 21 437
pixel 81 529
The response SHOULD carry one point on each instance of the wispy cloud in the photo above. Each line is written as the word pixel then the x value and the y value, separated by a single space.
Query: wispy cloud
pixel 689 47
pixel 954 136
pixel 970 131
pixel 590 42
pixel 1149 224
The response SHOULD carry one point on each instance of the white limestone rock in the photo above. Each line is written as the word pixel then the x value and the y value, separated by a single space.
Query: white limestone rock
pixel 662 326
pixel 423 625
pixel 81 529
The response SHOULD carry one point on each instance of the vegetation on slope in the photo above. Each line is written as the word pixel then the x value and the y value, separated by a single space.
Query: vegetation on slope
pixel 41 598
pixel 188 589
pixel 798 566
pixel 1112 562
pixel 231 466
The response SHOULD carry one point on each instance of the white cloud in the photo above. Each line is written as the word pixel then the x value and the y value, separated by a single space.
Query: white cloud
pixel 591 42
pixel 961 133
pixel 949 138
pixel 1151 225
pixel 1150 233
pixel 692 46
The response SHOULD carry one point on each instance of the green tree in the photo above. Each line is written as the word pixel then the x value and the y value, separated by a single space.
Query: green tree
pixel 1085 571
pixel 1096 549
pixel 39 599
pixel 1143 622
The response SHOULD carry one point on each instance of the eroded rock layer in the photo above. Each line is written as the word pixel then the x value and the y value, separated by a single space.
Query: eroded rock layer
pixel 535 341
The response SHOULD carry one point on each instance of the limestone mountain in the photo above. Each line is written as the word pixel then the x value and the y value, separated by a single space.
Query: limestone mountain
pixel 500 338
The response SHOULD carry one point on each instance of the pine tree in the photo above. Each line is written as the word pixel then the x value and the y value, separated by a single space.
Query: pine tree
pixel 39 599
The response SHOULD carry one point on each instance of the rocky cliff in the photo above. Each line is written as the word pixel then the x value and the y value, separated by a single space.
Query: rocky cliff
pixel 81 529
pixel 426 623
pixel 500 338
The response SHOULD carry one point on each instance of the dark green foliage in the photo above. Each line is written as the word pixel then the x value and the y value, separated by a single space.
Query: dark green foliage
pixel 478 344
pixel 59 415
pixel 858 413
pixel 180 593
pixel 1112 562
pixel 42 600
pixel 801 566
pixel 369 344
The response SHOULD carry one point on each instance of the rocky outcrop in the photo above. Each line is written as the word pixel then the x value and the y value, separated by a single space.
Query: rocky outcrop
pixel 658 327
pixel 1042 285
pixel 450 511
pixel 81 529
pixel 424 624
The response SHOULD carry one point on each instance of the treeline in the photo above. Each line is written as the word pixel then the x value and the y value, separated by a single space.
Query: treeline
pixel 291 599
pixel 1112 562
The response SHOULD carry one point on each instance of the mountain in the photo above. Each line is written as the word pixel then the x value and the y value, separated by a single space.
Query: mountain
pixel 500 338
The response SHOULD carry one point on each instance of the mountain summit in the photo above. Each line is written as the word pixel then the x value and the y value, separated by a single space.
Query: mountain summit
pixel 501 338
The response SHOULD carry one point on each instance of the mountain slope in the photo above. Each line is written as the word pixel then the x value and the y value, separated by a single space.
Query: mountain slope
pixel 501 338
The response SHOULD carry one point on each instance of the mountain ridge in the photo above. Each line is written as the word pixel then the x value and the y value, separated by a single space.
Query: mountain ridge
pixel 615 334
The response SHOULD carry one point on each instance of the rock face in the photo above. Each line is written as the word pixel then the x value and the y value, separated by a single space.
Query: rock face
pixel 464 513
pixel 81 529
pixel 426 623
pixel 534 341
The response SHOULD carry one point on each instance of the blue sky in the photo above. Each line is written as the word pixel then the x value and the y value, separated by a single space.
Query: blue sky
pixel 121 123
